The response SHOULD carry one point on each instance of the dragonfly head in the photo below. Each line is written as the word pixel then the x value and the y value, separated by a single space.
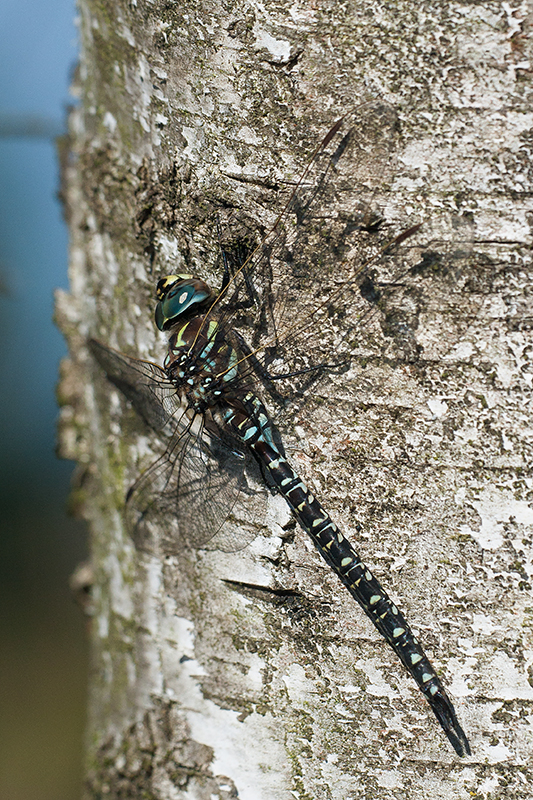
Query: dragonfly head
pixel 179 296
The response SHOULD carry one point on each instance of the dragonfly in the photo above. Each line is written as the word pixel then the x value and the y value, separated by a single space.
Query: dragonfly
pixel 230 348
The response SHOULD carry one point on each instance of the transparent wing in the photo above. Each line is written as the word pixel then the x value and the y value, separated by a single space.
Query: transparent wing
pixel 291 312
pixel 298 310
pixel 144 384
pixel 185 496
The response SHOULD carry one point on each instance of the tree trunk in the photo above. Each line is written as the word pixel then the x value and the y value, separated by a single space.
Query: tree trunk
pixel 253 674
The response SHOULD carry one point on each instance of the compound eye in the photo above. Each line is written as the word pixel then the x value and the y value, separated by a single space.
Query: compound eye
pixel 165 284
pixel 179 296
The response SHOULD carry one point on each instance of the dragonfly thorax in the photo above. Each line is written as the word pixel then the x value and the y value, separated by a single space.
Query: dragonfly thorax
pixel 201 362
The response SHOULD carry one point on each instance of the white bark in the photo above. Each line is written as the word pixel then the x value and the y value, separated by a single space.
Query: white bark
pixel 200 690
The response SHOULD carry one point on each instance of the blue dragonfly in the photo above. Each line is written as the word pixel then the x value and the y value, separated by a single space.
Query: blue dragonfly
pixel 230 348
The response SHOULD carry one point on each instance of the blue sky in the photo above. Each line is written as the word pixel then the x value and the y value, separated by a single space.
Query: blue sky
pixel 37 53
pixel 42 638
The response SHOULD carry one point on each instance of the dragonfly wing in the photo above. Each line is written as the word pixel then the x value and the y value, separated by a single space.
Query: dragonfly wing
pixel 298 311
pixel 183 499
pixel 144 384
pixel 286 300
pixel 212 476
pixel 186 495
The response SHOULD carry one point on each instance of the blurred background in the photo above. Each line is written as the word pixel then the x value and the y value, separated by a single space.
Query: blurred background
pixel 43 649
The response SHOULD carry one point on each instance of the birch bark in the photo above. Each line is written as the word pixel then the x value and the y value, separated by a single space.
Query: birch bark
pixel 204 683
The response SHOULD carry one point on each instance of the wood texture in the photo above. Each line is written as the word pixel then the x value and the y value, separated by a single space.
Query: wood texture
pixel 270 683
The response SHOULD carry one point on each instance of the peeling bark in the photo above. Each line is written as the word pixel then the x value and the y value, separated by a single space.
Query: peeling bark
pixel 253 674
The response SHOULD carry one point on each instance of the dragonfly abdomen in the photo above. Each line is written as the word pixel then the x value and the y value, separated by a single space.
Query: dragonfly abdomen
pixel 254 429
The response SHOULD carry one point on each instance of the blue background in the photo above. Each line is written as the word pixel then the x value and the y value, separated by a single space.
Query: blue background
pixel 42 632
